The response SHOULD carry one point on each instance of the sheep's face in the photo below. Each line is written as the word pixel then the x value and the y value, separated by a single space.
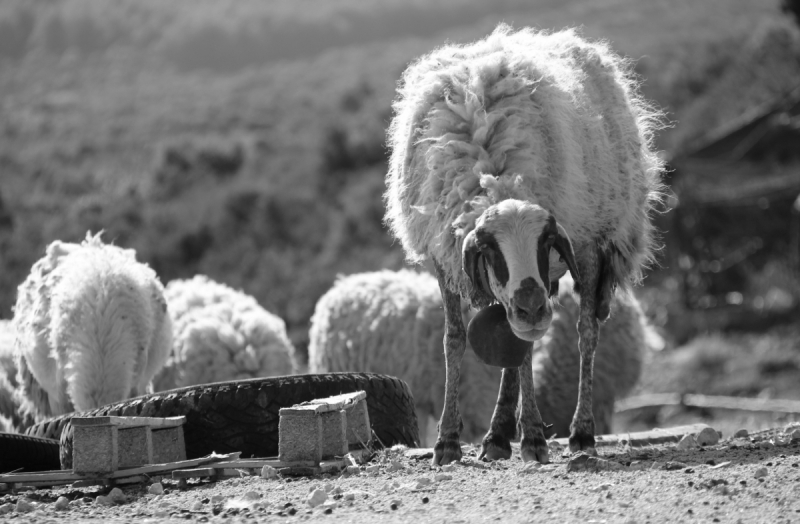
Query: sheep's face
pixel 507 256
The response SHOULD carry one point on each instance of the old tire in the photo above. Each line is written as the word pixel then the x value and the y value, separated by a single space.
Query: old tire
pixel 243 415
pixel 27 453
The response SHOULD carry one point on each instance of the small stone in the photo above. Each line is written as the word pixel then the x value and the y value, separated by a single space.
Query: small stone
pixel 766 444
pixel 373 468
pixel 425 500
pixel 156 489
pixel 117 496
pixel 216 499
pixel 316 498
pixel 760 472
pixel 349 496
pixel 23 506
pixel 198 506
pixel 424 481
pixel 795 434
pixel 587 462
pixel 637 465
pixel 687 442
pixel 103 500
pixel 721 465
pixel 741 433
pixel 62 503
pixel 707 437
pixel 439 477
pixel 721 489
pixel 353 470
pixel 251 495
pixel 161 514
pixel 448 468
pixel 328 487
pixel 673 466
pixel 268 472
pixel 602 487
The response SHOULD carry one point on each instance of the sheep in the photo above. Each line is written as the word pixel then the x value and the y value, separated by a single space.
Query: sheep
pixel 515 159
pixel 91 328
pixel 392 322
pixel 221 334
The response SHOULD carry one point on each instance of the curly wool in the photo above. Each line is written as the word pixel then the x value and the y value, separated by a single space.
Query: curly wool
pixel 551 119
pixel 91 328
pixel 221 334
pixel 393 323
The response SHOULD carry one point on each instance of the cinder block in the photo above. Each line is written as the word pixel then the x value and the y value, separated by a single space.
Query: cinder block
pixel 334 434
pixel 299 437
pixel 358 429
pixel 168 445
pixel 135 446
pixel 94 449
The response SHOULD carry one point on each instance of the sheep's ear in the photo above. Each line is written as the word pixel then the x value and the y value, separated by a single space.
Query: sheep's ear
pixel 563 245
pixel 473 263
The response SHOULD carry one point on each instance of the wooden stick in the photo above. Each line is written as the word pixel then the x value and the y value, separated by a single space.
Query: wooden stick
pixel 763 405
pixel 154 422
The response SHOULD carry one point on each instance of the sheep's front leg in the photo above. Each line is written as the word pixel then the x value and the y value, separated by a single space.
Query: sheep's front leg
pixel 534 444
pixel 448 445
pixel 497 442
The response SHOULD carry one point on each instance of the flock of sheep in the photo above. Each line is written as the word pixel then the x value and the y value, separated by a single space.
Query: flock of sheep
pixel 515 160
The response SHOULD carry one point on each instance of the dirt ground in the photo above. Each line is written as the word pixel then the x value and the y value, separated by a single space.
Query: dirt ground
pixel 753 479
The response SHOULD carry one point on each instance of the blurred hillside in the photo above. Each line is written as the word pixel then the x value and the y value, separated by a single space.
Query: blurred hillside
pixel 245 140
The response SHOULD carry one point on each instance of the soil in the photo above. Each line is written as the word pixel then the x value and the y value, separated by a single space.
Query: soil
pixel 753 479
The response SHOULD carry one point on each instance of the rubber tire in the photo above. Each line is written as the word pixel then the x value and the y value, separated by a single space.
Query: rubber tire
pixel 243 415
pixel 26 453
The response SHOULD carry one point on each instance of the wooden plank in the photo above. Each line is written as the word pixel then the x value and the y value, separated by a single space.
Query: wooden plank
pixel 325 405
pixel 39 476
pixel 183 464
pixel 760 405
pixel 652 400
pixel 260 463
pixel 153 422
pixel 194 472
pixel 644 438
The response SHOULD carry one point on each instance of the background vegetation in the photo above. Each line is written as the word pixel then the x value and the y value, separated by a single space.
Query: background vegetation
pixel 245 139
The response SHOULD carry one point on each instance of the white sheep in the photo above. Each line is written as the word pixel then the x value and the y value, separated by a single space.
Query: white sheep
pixel 392 322
pixel 221 334
pixel 91 328
pixel 514 159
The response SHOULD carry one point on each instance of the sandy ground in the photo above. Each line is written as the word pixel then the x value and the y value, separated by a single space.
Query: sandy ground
pixel 754 479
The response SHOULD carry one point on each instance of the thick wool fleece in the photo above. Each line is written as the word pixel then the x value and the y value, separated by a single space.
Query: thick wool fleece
pixel 91 328
pixel 552 119
pixel 221 334
pixel 393 323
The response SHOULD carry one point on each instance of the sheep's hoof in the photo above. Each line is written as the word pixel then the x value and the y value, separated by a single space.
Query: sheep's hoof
pixel 582 442
pixel 535 449
pixel 445 451
pixel 495 447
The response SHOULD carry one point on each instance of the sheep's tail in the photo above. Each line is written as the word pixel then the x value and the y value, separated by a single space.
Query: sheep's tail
pixel 102 327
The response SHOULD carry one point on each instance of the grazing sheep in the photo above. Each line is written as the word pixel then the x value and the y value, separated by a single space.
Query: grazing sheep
pixel 221 334
pixel 514 159
pixel 392 322
pixel 91 328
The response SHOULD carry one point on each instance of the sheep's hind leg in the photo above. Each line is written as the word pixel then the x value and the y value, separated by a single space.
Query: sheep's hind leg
pixel 533 443
pixel 596 289
pixel 497 442
pixel 448 445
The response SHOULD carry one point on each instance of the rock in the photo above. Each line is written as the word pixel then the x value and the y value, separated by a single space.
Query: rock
pixel 795 434
pixel 530 467
pixel 741 433
pixel 251 495
pixel 587 462
pixel 23 506
pixel 448 468
pixel 672 466
pixel 687 442
pixel 103 500
pixel 198 506
pixel 117 496
pixel 373 468
pixel 328 487
pixel 721 465
pixel 161 513
pixel 721 490
pixel 637 465
pixel 766 444
pixel 442 476
pixel 761 472
pixel 156 489
pixel 707 437
pixel 353 470
pixel 268 472
pixel 424 481
pixel 216 499
pixel 602 487
pixel 316 497
pixel 6 508
pixel 62 503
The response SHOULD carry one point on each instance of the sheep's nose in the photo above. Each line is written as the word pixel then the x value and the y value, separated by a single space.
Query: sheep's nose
pixel 529 302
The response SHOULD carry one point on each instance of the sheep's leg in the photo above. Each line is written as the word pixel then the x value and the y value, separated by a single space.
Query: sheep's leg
pixel 497 442
pixel 597 287
pixel 534 444
pixel 448 446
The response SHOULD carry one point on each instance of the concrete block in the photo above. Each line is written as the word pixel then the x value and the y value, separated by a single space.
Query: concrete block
pixel 334 434
pixel 168 445
pixel 94 449
pixel 299 436
pixel 135 446
pixel 358 428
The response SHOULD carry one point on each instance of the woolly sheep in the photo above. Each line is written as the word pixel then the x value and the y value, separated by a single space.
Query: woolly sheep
pixel 91 328
pixel 393 323
pixel 221 334
pixel 515 159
